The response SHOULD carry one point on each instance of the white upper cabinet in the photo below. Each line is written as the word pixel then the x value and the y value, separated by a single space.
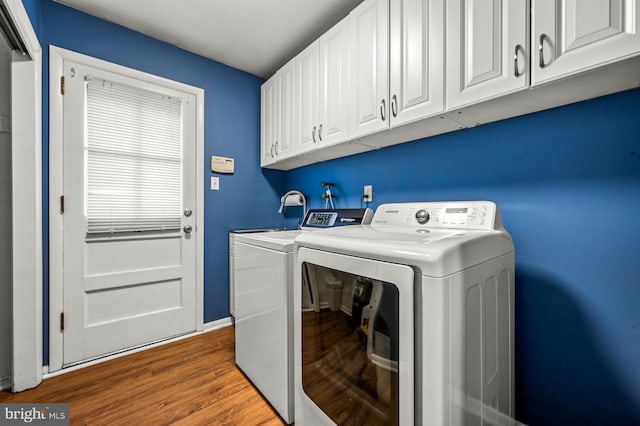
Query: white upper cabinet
pixel 278 116
pixel 268 121
pixel 322 72
pixel 401 70
pixel 573 36
pixel 286 82
pixel 416 85
pixel 333 122
pixel 307 98
pixel 369 67
pixel 487 49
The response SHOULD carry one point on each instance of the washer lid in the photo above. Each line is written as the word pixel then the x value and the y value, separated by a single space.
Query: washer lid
pixel 436 252
pixel 279 240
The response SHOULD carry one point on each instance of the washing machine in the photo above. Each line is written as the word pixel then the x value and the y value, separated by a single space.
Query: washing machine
pixel 424 331
pixel 263 288
pixel 232 261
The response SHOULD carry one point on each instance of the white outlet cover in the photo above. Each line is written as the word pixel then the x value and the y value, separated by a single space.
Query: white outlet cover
pixel 215 183
pixel 368 193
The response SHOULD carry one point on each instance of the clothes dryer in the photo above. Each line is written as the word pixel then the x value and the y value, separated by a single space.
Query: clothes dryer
pixel 424 333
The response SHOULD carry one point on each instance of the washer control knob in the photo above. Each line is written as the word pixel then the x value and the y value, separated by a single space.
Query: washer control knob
pixel 422 216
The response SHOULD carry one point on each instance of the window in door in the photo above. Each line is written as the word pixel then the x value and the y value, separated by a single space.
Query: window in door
pixel 133 159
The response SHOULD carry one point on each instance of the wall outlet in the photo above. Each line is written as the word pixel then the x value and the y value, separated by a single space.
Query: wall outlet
pixel 367 196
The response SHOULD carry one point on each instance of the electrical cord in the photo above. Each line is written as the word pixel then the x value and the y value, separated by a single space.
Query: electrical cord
pixel 328 197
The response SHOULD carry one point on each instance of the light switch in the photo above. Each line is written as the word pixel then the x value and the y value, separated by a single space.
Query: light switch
pixel 215 183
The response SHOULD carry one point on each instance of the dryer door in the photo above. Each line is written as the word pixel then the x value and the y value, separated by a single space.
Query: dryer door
pixel 353 340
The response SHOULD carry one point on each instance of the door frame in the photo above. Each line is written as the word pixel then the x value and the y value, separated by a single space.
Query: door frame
pixel 26 204
pixel 57 56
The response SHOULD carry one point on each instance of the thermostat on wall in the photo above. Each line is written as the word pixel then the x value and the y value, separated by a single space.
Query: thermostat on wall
pixel 222 164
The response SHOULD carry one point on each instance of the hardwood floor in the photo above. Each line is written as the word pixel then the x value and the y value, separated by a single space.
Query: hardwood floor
pixel 193 381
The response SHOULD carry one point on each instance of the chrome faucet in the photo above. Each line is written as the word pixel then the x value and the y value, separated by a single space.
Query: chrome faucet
pixel 299 201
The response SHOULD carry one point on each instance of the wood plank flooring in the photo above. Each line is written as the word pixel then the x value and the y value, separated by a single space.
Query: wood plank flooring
pixel 193 381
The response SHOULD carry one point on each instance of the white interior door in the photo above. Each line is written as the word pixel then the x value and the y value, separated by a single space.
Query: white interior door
pixel 125 286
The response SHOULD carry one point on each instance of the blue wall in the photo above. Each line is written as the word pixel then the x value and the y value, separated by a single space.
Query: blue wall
pixel 249 198
pixel 33 11
pixel 567 182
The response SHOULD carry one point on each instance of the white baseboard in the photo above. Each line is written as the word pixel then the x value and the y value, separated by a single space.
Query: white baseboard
pixel 217 324
pixel 208 327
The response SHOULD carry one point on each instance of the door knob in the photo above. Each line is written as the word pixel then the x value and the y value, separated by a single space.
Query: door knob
pixel 187 229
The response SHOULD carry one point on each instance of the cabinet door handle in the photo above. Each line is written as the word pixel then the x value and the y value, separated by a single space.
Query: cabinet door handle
pixel 394 106
pixel 516 71
pixel 313 134
pixel 541 49
pixel 382 108
pixel 271 151
pixel 276 147
pixel 320 132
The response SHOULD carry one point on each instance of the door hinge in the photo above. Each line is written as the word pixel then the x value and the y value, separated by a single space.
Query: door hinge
pixel 62 84
pixel 62 321
pixel 62 204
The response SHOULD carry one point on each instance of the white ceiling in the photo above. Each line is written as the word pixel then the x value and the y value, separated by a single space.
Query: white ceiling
pixel 257 36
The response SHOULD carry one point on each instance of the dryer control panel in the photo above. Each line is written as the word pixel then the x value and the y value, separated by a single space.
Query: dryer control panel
pixel 446 214
pixel 329 218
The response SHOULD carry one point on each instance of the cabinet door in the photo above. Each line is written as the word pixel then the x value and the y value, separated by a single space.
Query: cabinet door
pixel 307 98
pixel 369 67
pixel 333 122
pixel 268 121
pixel 416 59
pixel 286 84
pixel 573 36
pixel 486 49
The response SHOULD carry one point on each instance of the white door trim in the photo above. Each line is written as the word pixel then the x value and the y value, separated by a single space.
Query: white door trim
pixel 26 181
pixel 56 60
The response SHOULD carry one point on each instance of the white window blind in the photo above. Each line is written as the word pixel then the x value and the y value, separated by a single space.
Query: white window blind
pixel 134 159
